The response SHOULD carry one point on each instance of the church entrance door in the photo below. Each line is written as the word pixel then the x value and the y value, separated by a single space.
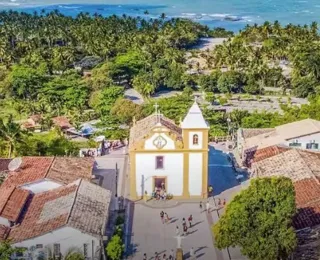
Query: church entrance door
pixel 160 183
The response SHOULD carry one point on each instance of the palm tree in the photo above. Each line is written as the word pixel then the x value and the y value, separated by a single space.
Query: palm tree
pixel 11 133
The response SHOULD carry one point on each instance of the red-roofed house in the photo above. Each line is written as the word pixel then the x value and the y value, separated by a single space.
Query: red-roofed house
pixel 48 200
pixel 62 122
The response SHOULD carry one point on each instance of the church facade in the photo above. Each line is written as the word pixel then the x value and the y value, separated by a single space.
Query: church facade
pixel 169 157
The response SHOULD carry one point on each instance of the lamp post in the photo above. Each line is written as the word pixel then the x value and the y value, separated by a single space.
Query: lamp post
pixel 229 125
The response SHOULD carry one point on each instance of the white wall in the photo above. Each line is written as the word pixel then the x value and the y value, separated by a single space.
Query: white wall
pixel 304 140
pixel 67 237
pixel 173 170
pixel 195 174
pixel 150 146
pixel 200 140
pixel 43 185
pixel 5 222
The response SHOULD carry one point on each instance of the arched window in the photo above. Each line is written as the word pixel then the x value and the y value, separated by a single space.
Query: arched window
pixel 195 139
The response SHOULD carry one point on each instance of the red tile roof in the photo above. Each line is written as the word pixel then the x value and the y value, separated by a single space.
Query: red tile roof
pixel 308 203
pixel 264 153
pixel 69 169
pixel 15 204
pixel 302 167
pixel 31 169
pixel 81 205
pixel 4 232
pixel 62 122
pixel 38 221
pixel 61 169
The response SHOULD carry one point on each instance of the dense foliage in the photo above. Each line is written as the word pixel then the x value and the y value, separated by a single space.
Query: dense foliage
pixel 259 220
pixel 43 57
pixel 6 250
pixel 268 55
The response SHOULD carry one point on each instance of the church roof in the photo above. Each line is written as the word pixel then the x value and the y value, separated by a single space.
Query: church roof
pixel 194 118
pixel 144 126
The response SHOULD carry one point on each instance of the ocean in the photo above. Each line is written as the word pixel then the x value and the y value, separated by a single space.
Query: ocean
pixel 230 14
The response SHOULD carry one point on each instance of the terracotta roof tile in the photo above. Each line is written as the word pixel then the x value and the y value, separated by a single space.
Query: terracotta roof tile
pixel 4 232
pixel 261 154
pixel 15 204
pixel 68 169
pixel 302 167
pixel 31 169
pixel 144 126
pixel 81 205
pixel 32 224
pixel 251 132
pixel 62 122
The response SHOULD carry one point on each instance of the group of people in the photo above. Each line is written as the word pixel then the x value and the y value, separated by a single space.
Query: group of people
pixel 160 193
pixel 220 203
pixel 157 256
pixel 185 227
pixel 103 148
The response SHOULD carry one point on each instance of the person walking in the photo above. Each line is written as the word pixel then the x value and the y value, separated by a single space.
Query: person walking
pixel 167 219
pixel 177 231
pixel 192 253
pixel 156 256
pixel 184 222
pixel 164 257
pixel 224 202
pixel 144 256
pixel 208 206
pixel 200 206
pixel 185 230
pixel 190 221
pixel 162 217
pixel 171 256
pixel 219 202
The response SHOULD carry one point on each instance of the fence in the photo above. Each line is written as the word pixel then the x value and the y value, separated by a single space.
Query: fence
pixel 218 139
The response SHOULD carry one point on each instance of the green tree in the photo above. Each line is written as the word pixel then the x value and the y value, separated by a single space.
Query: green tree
pixel 11 133
pixel 125 110
pixel 6 250
pixel 230 81
pixel 115 248
pixel 259 220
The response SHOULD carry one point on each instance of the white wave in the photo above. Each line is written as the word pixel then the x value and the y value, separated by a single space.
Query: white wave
pixel 189 14
pixel 69 7
pixel 219 15
pixel 9 4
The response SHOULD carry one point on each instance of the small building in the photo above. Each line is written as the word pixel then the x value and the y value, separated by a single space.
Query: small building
pixel 32 123
pixel 49 205
pixel 304 134
pixel 61 122
pixel 165 157
pixel 69 217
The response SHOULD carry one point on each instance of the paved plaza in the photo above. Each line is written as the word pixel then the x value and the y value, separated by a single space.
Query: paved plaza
pixel 150 235
pixel 146 233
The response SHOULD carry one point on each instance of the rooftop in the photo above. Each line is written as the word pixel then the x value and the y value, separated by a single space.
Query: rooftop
pixel 81 205
pixel 62 122
pixel 194 119
pixel 63 170
pixel 143 127
pixel 282 133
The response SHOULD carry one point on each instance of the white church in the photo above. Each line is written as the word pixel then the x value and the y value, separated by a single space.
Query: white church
pixel 165 156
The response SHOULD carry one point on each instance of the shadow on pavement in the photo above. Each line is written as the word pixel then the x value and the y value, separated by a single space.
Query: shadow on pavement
pixel 222 173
